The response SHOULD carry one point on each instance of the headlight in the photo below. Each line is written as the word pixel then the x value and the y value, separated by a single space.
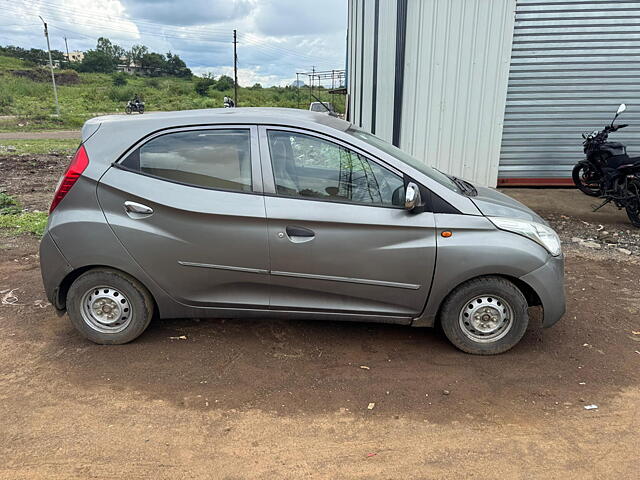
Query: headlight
pixel 537 232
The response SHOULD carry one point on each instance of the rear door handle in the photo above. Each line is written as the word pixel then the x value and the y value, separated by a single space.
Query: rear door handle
pixel 300 234
pixel 133 207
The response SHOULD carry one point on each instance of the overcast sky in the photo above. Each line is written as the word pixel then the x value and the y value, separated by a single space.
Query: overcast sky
pixel 276 38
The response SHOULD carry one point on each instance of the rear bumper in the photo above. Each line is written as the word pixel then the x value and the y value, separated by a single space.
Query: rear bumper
pixel 53 267
pixel 548 283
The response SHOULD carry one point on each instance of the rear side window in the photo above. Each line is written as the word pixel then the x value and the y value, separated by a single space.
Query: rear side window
pixel 217 159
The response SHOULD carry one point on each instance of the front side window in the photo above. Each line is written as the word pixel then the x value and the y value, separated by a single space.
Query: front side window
pixel 309 167
pixel 218 159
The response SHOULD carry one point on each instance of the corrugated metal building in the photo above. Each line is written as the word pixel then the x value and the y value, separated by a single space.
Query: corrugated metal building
pixel 496 91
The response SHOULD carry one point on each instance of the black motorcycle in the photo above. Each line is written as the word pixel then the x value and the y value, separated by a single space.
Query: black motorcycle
pixel 608 172
pixel 134 106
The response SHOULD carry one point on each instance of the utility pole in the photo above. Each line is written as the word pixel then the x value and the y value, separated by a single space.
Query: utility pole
pixel 313 76
pixel 67 48
pixel 298 88
pixel 235 68
pixel 53 78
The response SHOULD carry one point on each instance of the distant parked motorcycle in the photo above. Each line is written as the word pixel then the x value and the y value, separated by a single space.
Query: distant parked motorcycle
pixel 135 105
pixel 608 172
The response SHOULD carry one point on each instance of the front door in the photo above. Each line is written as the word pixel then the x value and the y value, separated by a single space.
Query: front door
pixel 339 237
pixel 188 207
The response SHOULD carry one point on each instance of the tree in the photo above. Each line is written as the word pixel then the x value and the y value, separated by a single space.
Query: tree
pixel 136 53
pixel 256 86
pixel 98 62
pixel 155 62
pixel 112 50
pixel 224 83
pixel 175 66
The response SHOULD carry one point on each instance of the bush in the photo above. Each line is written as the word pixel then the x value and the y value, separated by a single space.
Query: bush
pixel 120 79
pixel 6 100
pixel 202 85
pixel 121 94
pixel 152 82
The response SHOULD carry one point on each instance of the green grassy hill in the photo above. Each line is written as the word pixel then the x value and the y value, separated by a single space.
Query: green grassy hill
pixel 27 94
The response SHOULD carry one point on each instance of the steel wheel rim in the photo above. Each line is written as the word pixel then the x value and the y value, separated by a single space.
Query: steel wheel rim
pixel 106 309
pixel 486 318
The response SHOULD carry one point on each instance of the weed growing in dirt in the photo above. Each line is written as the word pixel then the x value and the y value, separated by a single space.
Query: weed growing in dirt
pixel 26 222
pixel 13 218
pixel 9 205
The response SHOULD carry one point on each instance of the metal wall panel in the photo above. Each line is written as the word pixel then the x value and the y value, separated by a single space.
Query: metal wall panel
pixel 456 68
pixel 573 62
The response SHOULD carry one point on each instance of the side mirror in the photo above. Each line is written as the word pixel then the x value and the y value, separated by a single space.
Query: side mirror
pixel 412 197
pixel 621 109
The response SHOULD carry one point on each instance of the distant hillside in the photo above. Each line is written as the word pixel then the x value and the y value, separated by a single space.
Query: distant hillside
pixel 26 92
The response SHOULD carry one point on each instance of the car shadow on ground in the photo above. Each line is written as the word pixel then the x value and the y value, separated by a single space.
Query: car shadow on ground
pixel 298 367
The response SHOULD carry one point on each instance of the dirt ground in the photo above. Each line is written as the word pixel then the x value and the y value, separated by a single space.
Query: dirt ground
pixel 276 399
pixel 58 134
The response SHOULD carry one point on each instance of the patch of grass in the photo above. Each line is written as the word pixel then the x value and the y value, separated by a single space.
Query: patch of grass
pixel 11 62
pixel 31 102
pixel 9 205
pixel 26 222
pixel 40 146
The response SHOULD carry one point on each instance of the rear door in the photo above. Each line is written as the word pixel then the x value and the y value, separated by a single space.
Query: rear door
pixel 339 237
pixel 187 204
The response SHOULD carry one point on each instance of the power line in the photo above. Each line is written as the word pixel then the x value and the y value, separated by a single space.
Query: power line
pixel 180 32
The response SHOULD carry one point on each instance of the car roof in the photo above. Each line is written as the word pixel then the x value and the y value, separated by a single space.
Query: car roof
pixel 252 115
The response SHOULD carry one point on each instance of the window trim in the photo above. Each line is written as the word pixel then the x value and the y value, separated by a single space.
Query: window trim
pixel 268 178
pixel 254 155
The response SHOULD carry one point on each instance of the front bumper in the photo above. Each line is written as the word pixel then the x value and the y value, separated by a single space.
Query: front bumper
pixel 54 268
pixel 548 283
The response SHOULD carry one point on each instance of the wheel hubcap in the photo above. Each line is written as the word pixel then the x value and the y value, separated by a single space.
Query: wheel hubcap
pixel 486 318
pixel 106 309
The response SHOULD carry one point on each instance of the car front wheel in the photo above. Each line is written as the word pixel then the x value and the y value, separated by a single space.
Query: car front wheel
pixel 109 307
pixel 485 316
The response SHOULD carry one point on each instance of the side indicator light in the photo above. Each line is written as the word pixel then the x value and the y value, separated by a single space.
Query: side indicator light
pixel 446 234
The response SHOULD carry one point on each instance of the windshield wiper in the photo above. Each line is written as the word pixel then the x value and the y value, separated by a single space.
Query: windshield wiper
pixel 467 188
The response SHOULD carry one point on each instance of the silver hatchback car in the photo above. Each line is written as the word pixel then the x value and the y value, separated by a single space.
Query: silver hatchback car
pixel 264 212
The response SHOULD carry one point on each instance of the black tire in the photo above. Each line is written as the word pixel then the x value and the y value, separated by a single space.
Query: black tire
pixel 128 110
pixel 498 294
pixel 587 179
pixel 141 110
pixel 122 288
pixel 633 206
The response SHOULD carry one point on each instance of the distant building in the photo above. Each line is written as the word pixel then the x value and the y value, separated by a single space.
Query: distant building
pixel 130 67
pixel 75 56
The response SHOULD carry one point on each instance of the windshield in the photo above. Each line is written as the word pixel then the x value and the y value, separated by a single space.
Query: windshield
pixel 394 151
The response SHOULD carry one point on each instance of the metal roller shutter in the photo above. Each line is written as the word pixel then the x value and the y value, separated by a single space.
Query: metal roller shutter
pixel 573 62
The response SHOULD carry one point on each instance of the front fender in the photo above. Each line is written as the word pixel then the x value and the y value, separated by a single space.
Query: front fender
pixel 476 248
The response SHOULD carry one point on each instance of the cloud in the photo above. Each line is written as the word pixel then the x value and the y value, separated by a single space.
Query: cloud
pixel 276 39
pixel 191 12
pixel 278 18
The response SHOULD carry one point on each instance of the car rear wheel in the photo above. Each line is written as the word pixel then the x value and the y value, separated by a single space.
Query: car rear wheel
pixel 485 316
pixel 109 307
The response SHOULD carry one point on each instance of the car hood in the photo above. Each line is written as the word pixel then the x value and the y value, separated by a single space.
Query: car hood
pixel 492 203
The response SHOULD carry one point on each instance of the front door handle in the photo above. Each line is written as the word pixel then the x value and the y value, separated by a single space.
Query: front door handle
pixel 133 207
pixel 300 234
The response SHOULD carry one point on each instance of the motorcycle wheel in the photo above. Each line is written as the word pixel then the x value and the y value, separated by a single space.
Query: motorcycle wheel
pixel 587 179
pixel 633 206
pixel 141 110
pixel 128 110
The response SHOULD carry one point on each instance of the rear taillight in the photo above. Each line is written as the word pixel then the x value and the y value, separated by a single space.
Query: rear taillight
pixel 72 173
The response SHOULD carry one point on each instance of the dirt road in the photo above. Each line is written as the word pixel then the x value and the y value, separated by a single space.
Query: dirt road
pixel 53 134
pixel 276 399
